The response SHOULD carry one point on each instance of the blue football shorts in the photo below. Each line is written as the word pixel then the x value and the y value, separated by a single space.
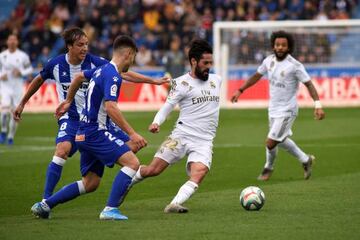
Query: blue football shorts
pixel 98 148
pixel 67 132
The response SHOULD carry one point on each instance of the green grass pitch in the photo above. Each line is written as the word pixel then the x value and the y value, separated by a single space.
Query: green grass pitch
pixel 325 207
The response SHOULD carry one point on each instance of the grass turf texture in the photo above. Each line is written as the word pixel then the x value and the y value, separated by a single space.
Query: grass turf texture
pixel 325 207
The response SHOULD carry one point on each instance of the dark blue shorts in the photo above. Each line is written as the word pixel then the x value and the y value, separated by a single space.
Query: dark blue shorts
pixel 66 133
pixel 119 133
pixel 98 148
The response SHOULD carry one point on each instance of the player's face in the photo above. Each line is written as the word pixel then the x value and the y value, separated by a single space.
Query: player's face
pixel 80 48
pixel 202 68
pixel 281 48
pixel 12 42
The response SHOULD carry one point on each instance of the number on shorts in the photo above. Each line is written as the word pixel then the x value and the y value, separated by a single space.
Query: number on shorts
pixel 63 126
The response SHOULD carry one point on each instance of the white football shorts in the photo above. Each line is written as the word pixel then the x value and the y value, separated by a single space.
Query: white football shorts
pixel 175 147
pixel 280 128
pixel 10 98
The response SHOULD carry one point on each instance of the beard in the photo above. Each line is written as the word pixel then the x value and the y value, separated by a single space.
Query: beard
pixel 202 75
pixel 281 56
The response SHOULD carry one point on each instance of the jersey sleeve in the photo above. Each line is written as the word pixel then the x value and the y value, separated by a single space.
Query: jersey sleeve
pixel 262 69
pixel 177 92
pixel 112 82
pixel 88 73
pixel 301 74
pixel 47 71
pixel 26 67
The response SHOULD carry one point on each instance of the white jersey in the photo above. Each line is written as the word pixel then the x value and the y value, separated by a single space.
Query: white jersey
pixel 10 61
pixel 199 105
pixel 284 77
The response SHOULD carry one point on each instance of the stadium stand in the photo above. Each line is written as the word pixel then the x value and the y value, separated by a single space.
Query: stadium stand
pixel 155 24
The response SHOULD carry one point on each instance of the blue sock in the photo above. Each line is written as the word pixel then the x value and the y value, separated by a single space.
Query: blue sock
pixel 65 194
pixel 53 175
pixel 120 185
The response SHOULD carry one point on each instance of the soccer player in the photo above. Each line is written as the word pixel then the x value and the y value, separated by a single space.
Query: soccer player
pixel 62 69
pixel 14 66
pixel 197 94
pixel 284 74
pixel 97 146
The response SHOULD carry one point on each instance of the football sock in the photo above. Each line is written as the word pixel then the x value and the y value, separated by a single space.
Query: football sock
pixel 185 192
pixel 53 175
pixel 291 147
pixel 270 157
pixel 137 178
pixel 120 185
pixel 12 128
pixel 4 121
pixel 65 194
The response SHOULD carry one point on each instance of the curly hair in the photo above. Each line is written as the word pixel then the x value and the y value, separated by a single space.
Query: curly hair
pixel 283 34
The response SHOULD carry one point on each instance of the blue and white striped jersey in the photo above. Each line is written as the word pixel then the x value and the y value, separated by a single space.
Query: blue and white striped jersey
pixel 60 70
pixel 104 86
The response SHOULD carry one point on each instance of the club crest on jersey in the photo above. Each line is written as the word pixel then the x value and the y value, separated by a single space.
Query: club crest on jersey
pixel 272 64
pixel 212 84
pixel 282 74
pixel 184 83
pixel 113 90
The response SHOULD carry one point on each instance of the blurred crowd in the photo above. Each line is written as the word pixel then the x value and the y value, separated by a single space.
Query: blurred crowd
pixel 162 28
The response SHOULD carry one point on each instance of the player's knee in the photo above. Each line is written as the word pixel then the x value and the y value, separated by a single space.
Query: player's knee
pixel 91 184
pixel 270 144
pixel 63 150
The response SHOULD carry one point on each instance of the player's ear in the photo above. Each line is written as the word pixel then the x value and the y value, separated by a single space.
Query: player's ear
pixel 193 62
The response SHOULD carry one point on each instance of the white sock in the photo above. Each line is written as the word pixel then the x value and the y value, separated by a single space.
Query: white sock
pixel 185 192
pixel 4 121
pixel 291 147
pixel 137 178
pixel 270 157
pixel 12 128
pixel 81 187
pixel 58 160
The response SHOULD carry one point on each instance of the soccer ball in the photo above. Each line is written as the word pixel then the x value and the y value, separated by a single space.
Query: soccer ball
pixel 252 198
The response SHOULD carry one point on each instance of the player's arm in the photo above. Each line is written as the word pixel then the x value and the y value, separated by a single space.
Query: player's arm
pixel 117 117
pixel 24 70
pixel 160 117
pixel 74 87
pixel 140 78
pixel 251 81
pixel 32 89
pixel 318 112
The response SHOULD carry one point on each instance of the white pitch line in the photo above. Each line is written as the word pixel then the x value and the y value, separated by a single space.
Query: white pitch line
pixel 34 148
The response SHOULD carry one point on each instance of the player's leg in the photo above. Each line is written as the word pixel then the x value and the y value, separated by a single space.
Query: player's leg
pixel 279 130
pixel 305 159
pixel 198 165
pixel 91 169
pixel 65 147
pixel 157 166
pixel 5 115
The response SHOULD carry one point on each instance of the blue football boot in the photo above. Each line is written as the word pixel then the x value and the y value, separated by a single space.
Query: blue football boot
pixel 113 214
pixel 41 210
pixel 2 137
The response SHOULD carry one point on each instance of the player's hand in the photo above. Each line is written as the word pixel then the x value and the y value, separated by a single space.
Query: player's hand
pixel 17 113
pixel 16 72
pixel 235 96
pixel 62 109
pixel 319 114
pixel 154 128
pixel 138 140
pixel 162 80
